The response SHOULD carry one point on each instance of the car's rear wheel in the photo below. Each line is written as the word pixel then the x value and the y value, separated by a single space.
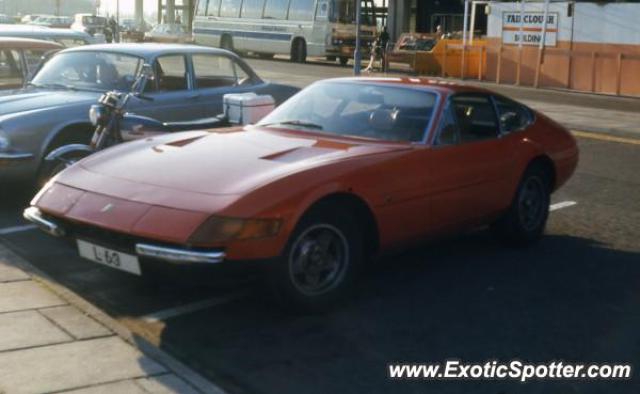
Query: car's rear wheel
pixel 344 60
pixel 526 218
pixel 320 262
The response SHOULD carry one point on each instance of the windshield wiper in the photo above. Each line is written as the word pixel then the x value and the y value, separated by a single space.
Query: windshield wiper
pixel 53 86
pixel 299 123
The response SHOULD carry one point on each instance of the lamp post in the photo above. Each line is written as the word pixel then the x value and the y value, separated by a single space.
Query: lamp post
pixel 357 56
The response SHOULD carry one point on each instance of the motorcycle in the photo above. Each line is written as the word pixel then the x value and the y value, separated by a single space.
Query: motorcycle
pixel 114 125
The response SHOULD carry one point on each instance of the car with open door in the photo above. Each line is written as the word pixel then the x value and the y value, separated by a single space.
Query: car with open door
pixel 342 171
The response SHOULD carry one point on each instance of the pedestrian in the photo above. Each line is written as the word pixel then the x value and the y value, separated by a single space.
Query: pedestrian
pixel 113 25
pixel 378 50
pixel 439 33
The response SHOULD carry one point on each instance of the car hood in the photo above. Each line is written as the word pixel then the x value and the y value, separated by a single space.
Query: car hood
pixel 26 100
pixel 222 162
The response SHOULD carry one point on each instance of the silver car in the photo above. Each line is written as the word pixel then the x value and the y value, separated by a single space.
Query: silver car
pixel 53 110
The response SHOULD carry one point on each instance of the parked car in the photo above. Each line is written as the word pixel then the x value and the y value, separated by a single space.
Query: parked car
pixel 6 20
pixel 175 33
pixel 30 18
pixel 404 51
pixel 62 22
pixel 20 58
pixel 132 31
pixel 93 25
pixel 68 38
pixel 54 109
pixel 342 171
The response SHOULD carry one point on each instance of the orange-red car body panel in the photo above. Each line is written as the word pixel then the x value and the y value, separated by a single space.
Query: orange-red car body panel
pixel 164 187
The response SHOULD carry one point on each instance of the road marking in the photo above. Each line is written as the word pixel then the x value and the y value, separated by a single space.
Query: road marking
pixel 560 205
pixel 17 229
pixel 605 137
pixel 193 307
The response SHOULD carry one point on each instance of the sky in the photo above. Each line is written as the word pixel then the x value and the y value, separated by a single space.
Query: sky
pixel 127 7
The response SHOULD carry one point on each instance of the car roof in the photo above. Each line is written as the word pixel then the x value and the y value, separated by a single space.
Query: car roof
pixel 423 83
pixel 7 30
pixel 16 42
pixel 146 50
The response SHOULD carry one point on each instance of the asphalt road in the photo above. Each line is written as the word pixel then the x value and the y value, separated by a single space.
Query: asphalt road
pixel 575 296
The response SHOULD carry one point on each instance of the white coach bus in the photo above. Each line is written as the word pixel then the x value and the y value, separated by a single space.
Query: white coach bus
pixel 298 28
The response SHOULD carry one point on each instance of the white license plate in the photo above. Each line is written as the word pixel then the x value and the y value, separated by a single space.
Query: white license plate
pixel 109 257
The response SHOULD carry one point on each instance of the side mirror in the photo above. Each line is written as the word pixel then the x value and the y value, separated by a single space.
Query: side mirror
pixel 509 121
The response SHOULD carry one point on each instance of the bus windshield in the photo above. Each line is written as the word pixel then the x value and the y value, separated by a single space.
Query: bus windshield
pixel 344 11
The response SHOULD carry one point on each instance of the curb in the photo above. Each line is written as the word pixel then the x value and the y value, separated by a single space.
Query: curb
pixel 172 364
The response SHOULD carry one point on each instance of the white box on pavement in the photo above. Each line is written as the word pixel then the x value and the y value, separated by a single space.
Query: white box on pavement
pixel 246 108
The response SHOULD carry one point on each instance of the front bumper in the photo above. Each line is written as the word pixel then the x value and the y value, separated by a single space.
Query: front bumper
pixel 142 248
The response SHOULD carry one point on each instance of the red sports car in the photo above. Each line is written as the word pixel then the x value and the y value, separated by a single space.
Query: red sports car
pixel 344 170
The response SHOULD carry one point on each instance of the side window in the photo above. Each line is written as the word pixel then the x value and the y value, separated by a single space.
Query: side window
pixel 243 78
pixel 476 117
pixel 213 71
pixel 252 8
pixel 171 73
pixel 214 6
pixel 513 116
pixel 276 9
pixel 202 8
pixel 33 58
pixel 230 8
pixel 302 10
pixel 448 132
pixel 10 68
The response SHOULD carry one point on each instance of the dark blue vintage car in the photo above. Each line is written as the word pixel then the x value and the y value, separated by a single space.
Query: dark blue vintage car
pixel 53 110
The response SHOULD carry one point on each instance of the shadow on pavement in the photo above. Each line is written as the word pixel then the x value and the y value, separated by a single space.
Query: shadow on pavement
pixel 470 299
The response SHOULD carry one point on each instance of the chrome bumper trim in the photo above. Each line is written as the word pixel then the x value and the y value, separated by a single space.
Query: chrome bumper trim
pixel 34 215
pixel 15 156
pixel 176 255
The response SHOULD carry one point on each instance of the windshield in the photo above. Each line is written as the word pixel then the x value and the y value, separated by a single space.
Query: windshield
pixel 357 109
pixel 89 71
pixel 93 20
pixel 344 11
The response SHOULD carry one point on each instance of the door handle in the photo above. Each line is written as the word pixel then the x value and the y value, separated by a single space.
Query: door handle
pixel 193 96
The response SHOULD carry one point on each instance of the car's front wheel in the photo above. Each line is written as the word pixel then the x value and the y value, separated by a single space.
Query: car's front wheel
pixel 320 262
pixel 526 218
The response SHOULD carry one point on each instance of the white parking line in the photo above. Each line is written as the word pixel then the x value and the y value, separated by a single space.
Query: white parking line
pixel 560 205
pixel 193 307
pixel 17 229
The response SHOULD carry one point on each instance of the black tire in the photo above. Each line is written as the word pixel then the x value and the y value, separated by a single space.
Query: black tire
pixel 344 61
pixel 226 43
pixel 524 222
pixel 321 261
pixel 298 51
pixel 49 169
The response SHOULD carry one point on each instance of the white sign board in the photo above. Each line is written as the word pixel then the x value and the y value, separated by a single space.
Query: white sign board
pixel 531 30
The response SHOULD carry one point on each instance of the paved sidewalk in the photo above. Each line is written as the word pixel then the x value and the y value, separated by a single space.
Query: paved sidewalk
pixel 48 344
